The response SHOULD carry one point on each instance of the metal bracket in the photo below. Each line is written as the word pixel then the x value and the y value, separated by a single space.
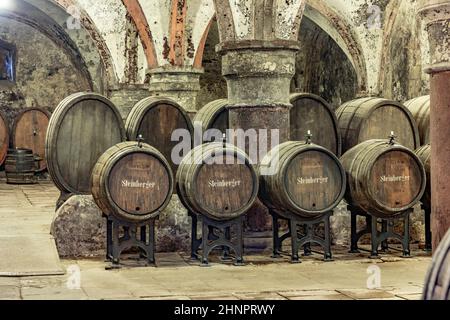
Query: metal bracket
pixel 116 244
pixel 304 235
pixel 379 238
pixel 217 234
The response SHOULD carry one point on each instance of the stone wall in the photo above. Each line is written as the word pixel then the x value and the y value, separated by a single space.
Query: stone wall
pixel 44 73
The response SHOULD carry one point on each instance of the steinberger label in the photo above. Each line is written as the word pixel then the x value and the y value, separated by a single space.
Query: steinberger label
pixel 384 179
pixel 311 180
pixel 138 184
pixel 224 183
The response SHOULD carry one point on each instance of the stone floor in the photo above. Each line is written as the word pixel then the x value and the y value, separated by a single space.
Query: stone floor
pixel 176 277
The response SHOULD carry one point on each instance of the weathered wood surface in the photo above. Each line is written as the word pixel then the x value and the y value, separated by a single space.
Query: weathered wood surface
pixel 81 129
pixel 375 118
pixel 132 181
pixel 424 154
pixel 312 113
pixel 20 166
pixel 383 179
pixel 437 283
pixel 218 182
pixel 156 118
pixel 308 180
pixel 420 109
pixel 4 138
pixel 213 115
pixel 29 132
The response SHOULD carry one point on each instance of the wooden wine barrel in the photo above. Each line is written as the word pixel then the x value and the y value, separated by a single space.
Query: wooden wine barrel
pixel 217 180
pixel 29 131
pixel 383 179
pixel 308 181
pixel 312 113
pixel 20 166
pixel 420 109
pixel 132 181
pixel 81 129
pixel 375 118
pixel 424 154
pixel 155 119
pixel 214 115
pixel 437 283
pixel 4 138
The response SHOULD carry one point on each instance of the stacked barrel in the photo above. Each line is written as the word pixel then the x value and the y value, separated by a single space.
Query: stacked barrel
pixel 22 141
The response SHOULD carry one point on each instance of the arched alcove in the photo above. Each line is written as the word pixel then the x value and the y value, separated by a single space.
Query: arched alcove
pixel 322 66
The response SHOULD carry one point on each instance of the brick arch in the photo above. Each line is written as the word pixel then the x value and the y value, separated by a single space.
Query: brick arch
pixel 138 16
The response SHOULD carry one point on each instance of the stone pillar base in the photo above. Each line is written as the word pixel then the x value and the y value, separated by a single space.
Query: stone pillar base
pixel 126 96
pixel 179 83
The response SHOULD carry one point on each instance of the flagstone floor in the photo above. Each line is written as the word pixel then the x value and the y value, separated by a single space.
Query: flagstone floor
pixel 175 277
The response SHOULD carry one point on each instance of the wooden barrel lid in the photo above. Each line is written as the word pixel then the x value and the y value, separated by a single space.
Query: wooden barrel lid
pixel 156 118
pixel 81 129
pixel 213 115
pixel 4 138
pixel 312 113
pixel 29 131
pixel 132 181
pixel 375 118
pixel 396 180
pixel 420 109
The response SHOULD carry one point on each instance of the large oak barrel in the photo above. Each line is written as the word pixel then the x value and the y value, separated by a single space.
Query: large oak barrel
pixel 437 283
pixel 29 131
pixel 307 180
pixel 384 179
pixel 217 180
pixel 20 166
pixel 424 154
pixel 213 115
pixel 81 129
pixel 155 119
pixel 4 138
pixel 375 118
pixel 420 109
pixel 314 114
pixel 132 181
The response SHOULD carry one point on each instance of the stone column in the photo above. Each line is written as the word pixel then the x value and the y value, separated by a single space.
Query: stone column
pixel 258 75
pixel 180 83
pixel 436 14
pixel 125 96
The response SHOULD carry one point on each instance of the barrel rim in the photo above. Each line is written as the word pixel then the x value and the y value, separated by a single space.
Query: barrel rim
pixel 433 272
pixel 7 137
pixel 117 156
pixel 16 121
pixel 398 147
pixel 55 122
pixel 139 111
pixel 216 107
pixel 238 153
pixel 283 176
pixel 298 96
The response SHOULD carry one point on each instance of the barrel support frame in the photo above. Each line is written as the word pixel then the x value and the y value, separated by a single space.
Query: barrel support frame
pixel 303 238
pixel 379 238
pixel 116 244
pixel 222 239
pixel 428 235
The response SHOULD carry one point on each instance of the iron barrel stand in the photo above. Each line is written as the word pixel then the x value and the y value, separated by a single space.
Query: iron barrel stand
pixel 217 234
pixel 305 235
pixel 428 236
pixel 379 237
pixel 137 235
